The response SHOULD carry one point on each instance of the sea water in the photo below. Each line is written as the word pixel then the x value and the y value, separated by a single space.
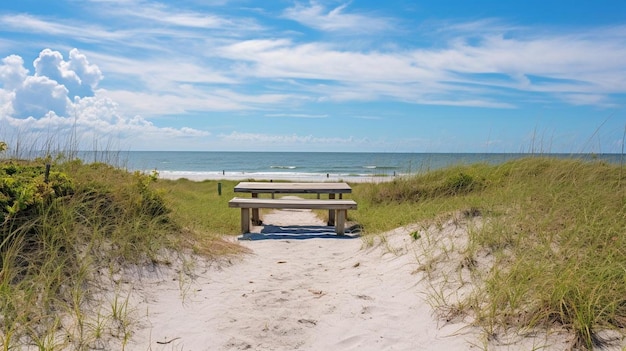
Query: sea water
pixel 198 165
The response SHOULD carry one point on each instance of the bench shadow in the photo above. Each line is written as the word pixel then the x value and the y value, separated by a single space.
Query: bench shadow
pixel 300 232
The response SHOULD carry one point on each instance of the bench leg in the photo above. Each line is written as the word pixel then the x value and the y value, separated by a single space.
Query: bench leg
pixel 256 219
pixel 245 220
pixel 341 222
pixel 331 213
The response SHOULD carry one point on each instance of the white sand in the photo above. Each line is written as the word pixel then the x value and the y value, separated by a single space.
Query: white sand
pixel 302 291
pixel 319 293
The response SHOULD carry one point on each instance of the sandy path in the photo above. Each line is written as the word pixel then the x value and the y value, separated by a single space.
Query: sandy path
pixel 296 291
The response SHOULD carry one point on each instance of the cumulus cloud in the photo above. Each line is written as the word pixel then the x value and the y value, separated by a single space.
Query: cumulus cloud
pixel 12 72
pixel 38 95
pixel 53 86
pixel 77 74
pixel 60 98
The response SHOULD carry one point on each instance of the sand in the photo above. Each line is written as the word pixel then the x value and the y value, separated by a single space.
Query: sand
pixel 303 288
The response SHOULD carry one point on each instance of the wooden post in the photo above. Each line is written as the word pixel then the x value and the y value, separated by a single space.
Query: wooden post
pixel 256 219
pixel 341 222
pixel 331 213
pixel 245 220
pixel 47 174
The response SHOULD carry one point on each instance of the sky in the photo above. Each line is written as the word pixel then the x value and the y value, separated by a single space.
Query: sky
pixel 314 75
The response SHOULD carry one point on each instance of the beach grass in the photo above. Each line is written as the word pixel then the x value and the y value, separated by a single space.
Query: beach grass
pixel 66 229
pixel 554 230
pixel 202 210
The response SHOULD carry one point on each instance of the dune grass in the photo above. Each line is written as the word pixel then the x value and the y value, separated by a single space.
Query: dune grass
pixel 559 238
pixel 203 213
pixel 68 229
pixel 555 230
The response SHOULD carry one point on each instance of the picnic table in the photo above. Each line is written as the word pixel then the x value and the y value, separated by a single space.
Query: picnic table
pixel 331 188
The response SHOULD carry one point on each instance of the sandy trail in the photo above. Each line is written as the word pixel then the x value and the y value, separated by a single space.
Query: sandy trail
pixel 302 287
pixel 297 290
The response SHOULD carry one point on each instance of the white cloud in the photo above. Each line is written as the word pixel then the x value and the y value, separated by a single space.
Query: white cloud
pixel 69 28
pixel 296 115
pixel 252 139
pixel 589 61
pixel 318 16
pixel 77 75
pixel 38 95
pixel 153 13
pixel 190 98
pixel 171 59
pixel 12 72
pixel 97 121
pixel 32 106
pixel 283 59
pixel 587 99
pixel 476 64
pixel 88 74
pixel 53 86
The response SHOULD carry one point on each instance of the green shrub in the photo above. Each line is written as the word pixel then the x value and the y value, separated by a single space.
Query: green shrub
pixel 25 190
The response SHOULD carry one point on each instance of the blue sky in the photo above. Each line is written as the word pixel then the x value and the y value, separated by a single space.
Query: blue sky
pixel 326 75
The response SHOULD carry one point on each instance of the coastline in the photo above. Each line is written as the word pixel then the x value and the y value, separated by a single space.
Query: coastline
pixel 292 177
pixel 311 167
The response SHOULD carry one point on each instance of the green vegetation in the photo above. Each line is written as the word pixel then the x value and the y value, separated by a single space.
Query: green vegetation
pixel 66 228
pixel 554 231
pixel 203 213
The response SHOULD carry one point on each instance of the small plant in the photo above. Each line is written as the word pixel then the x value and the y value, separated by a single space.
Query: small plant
pixel 119 309
pixel 416 235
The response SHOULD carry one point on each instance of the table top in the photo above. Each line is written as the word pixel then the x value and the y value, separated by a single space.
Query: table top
pixel 293 188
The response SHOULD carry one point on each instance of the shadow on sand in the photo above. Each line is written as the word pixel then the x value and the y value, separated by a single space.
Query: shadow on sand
pixel 301 232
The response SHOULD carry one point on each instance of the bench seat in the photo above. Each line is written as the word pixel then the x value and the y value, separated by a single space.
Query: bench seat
pixel 245 204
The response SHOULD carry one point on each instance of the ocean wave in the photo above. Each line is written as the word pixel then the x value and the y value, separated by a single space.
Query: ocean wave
pixel 283 167
pixel 203 175
pixel 379 167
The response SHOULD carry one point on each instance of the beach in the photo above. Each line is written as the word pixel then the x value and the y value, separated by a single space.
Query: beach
pixel 306 290
pixel 308 293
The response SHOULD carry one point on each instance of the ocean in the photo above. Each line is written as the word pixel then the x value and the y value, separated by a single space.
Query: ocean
pixel 197 165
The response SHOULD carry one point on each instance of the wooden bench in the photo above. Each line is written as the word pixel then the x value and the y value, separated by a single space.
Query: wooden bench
pixel 340 206
pixel 257 188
